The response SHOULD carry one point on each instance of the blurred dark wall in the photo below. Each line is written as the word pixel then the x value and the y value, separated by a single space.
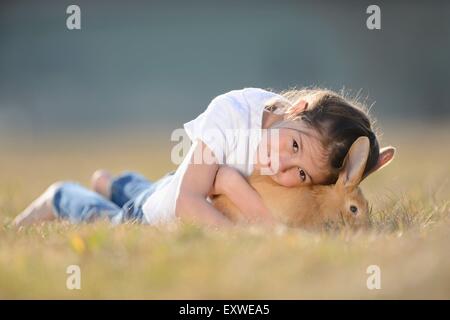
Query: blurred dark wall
pixel 157 64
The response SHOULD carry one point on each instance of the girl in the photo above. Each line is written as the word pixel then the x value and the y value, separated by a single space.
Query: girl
pixel 298 137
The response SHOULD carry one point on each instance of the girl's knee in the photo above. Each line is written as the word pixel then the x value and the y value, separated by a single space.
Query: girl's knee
pixel 62 187
pixel 55 187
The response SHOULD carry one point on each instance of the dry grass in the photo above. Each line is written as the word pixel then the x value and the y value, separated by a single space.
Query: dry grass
pixel 409 239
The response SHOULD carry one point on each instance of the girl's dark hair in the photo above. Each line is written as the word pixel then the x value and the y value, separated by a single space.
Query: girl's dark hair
pixel 340 121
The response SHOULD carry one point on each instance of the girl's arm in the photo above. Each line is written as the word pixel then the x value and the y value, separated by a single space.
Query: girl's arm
pixel 198 180
pixel 232 184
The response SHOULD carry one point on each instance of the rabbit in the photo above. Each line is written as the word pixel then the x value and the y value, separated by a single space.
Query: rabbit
pixel 318 206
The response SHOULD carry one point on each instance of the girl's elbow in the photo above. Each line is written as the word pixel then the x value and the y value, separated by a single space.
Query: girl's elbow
pixel 185 202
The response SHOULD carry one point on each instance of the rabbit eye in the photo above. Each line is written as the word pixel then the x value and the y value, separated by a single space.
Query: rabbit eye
pixel 354 209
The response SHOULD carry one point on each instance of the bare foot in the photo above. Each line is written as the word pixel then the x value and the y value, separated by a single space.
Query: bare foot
pixel 101 182
pixel 39 210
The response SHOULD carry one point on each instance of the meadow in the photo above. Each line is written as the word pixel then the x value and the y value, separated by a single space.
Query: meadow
pixel 409 239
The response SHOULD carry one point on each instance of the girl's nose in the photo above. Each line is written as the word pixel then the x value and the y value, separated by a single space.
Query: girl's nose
pixel 285 164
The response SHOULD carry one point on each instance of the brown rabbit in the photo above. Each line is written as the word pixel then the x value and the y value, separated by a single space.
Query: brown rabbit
pixel 318 206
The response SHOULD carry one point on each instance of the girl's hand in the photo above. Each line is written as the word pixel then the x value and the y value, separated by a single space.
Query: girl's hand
pixel 224 176
pixel 231 183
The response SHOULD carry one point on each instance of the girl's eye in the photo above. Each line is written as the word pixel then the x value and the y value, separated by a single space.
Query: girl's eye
pixel 295 146
pixel 302 174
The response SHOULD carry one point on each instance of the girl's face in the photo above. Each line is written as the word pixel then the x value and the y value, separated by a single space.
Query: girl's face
pixel 292 157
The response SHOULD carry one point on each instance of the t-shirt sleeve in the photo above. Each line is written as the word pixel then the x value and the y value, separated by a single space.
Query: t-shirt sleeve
pixel 215 125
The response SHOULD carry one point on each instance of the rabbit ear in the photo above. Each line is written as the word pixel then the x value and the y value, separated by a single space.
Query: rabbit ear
pixel 355 163
pixel 386 156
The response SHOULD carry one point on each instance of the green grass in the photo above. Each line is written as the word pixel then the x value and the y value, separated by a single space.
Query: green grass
pixel 409 240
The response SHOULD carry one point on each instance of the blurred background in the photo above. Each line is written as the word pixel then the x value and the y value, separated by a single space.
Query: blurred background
pixel 150 66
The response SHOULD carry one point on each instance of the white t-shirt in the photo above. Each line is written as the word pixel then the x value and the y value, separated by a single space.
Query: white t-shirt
pixel 231 128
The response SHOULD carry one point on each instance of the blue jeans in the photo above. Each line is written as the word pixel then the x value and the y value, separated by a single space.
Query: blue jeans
pixel 129 191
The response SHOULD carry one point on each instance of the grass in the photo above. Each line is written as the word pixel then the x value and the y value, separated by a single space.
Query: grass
pixel 409 239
